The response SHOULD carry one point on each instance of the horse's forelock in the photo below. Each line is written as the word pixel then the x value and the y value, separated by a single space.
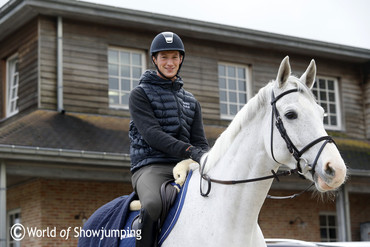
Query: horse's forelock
pixel 301 86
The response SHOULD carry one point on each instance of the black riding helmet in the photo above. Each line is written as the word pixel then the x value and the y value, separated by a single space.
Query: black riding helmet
pixel 167 41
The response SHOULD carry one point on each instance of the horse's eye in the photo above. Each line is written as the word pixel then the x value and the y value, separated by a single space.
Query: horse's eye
pixel 291 115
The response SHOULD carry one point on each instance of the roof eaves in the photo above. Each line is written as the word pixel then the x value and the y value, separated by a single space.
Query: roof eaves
pixel 158 22
pixel 29 153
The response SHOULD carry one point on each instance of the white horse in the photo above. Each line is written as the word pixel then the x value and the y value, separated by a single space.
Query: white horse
pixel 250 148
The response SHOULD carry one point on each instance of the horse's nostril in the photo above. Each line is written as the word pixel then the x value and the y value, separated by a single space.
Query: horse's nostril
pixel 329 170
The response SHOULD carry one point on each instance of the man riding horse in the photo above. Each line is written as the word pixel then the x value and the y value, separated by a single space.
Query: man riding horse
pixel 166 127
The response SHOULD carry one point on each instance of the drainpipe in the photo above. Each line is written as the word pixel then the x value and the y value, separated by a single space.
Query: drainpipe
pixel 60 64
pixel 3 226
pixel 343 216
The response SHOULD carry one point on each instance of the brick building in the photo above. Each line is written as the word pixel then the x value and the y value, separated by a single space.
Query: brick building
pixel 64 116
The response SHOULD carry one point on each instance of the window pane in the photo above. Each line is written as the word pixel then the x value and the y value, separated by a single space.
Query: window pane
pixel 330 84
pixel 125 85
pixel 326 121
pixel 112 56
pixel 233 109
pixel 325 106
pixel 322 84
pixel 221 70
pixel 231 71
pixel 14 93
pixel 113 97
pixel 113 69
pixel 331 220
pixel 124 99
pixel 241 85
pixel 315 85
pixel 323 96
pixel 322 220
pixel 136 59
pixel 135 83
pixel 113 83
pixel 13 106
pixel 136 73
pixel 332 234
pixel 332 108
pixel 222 83
pixel 242 98
pixel 314 93
pixel 323 233
pixel 223 96
pixel 333 120
pixel 232 97
pixel 125 57
pixel 15 80
pixel 125 71
pixel 241 73
pixel 232 84
pixel 332 97
pixel 223 108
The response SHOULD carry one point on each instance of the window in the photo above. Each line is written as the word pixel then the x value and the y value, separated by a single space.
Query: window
pixel 124 68
pixel 327 94
pixel 233 88
pixel 328 227
pixel 12 82
pixel 14 217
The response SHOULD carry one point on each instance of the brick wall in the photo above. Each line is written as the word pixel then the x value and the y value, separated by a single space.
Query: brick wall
pixel 360 213
pixel 276 214
pixel 54 203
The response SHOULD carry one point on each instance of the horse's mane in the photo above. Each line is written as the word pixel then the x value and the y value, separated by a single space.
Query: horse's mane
pixel 242 118
pixel 226 138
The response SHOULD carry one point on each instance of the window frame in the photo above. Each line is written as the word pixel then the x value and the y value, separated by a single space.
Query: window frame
pixel 248 88
pixel 327 227
pixel 12 242
pixel 121 91
pixel 337 101
pixel 10 86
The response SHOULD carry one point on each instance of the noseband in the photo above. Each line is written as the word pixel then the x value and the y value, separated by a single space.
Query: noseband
pixel 297 154
pixel 291 147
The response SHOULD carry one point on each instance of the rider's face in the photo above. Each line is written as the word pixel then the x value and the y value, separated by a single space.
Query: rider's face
pixel 168 62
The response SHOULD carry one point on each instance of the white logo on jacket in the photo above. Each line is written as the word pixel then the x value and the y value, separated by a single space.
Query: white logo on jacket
pixel 186 105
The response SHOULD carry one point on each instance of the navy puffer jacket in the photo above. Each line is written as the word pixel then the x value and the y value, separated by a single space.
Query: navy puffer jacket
pixel 173 110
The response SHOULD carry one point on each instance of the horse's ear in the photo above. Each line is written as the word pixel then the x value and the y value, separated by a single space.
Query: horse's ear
pixel 309 76
pixel 284 72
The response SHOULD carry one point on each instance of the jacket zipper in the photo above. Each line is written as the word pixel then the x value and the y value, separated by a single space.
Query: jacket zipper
pixel 178 109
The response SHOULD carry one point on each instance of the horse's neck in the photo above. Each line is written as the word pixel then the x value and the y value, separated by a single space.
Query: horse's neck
pixel 246 158
pixel 240 204
pixel 229 214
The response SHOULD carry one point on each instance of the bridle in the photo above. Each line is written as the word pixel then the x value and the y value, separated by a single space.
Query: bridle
pixel 297 154
pixel 291 147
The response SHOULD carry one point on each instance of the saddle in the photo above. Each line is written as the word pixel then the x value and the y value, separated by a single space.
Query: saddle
pixel 172 206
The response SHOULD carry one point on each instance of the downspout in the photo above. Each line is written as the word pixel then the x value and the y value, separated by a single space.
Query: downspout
pixel 60 64
pixel 343 215
pixel 3 226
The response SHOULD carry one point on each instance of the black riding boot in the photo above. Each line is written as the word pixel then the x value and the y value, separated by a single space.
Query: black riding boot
pixel 149 230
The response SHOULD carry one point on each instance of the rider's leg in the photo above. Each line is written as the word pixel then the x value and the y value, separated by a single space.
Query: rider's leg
pixel 147 183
